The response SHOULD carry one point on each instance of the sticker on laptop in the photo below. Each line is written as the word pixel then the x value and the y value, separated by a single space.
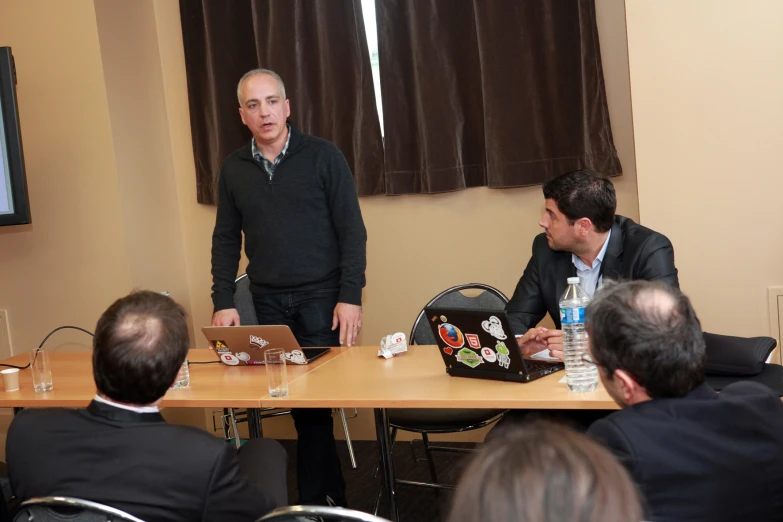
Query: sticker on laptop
pixel 243 356
pixel 451 335
pixel 489 355
pixel 296 357
pixel 473 341
pixel 494 328
pixel 448 351
pixel 468 357
pixel 229 359
pixel 503 359
pixel 221 347
pixel 257 343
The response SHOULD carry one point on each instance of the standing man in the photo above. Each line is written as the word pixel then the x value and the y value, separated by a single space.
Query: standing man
pixel 293 197
pixel 582 237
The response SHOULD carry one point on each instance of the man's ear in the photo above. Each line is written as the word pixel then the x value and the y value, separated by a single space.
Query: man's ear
pixel 583 226
pixel 630 391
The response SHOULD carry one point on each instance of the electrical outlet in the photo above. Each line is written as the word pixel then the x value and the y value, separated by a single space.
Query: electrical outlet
pixel 5 336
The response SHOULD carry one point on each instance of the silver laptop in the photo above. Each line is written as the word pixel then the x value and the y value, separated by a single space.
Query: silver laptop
pixel 245 345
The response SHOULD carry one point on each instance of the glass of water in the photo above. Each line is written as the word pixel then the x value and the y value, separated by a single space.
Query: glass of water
pixel 41 370
pixel 183 377
pixel 276 376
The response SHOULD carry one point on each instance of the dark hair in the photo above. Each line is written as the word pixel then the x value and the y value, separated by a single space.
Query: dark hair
pixel 650 330
pixel 544 472
pixel 584 194
pixel 140 344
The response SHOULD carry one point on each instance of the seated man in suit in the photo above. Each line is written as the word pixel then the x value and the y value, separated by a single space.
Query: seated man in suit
pixel 119 451
pixel 582 237
pixel 696 455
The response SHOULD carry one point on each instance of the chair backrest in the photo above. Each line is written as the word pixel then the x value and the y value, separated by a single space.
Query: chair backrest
pixel 490 298
pixel 60 509
pixel 295 513
pixel 243 301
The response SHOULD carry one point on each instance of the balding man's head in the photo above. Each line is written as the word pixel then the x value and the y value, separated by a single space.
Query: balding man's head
pixel 140 343
pixel 650 331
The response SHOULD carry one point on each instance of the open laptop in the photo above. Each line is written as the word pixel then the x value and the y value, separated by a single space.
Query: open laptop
pixel 245 345
pixel 480 344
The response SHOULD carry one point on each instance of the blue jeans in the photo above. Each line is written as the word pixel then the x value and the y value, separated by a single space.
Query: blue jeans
pixel 309 315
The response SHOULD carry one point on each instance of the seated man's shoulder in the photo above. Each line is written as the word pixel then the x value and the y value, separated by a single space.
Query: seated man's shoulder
pixel 35 416
pixel 751 392
pixel 635 234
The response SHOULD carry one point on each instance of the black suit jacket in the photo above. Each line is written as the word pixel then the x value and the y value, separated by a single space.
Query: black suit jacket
pixel 135 462
pixel 634 252
pixel 704 457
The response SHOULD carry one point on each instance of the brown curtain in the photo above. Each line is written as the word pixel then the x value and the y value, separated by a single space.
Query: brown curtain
pixel 319 49
pixel 496 93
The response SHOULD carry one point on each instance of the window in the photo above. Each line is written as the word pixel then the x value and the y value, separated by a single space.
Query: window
pixel 371 30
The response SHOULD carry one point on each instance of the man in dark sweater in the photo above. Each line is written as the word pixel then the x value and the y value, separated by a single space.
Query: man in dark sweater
pixel 293 197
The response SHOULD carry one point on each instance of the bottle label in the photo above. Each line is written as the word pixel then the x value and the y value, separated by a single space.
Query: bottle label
pixel 572 315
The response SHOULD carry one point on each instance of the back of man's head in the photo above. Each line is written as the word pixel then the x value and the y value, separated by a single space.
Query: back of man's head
pixel 140 343
pixel 584 194
pixel 650 331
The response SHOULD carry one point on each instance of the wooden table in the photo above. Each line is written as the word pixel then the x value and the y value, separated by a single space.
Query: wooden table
pixel 211 385
pixel 343 378
pixel 418 379
pixel 358 378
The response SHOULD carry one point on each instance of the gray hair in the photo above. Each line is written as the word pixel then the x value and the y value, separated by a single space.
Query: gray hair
pixel 256 72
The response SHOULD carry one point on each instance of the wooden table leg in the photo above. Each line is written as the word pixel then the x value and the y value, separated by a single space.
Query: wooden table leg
pixel 385 449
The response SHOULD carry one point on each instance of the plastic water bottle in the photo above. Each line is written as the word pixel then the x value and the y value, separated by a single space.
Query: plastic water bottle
pixel 581 376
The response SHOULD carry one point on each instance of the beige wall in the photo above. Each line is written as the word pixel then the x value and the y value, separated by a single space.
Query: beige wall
pixel 71 262
pixel 707 88
pixel 124 179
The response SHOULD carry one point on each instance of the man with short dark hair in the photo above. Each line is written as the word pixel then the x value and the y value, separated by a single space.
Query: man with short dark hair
pixel 582 237
pixel 119 451
pixel 696 455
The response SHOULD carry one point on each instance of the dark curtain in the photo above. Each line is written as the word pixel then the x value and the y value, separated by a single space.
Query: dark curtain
pixel 496 93
pixel 319 49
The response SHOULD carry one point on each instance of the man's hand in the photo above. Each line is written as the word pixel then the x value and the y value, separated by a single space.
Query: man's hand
pixel 349 318
pixel 529 343
pixel 227 317
pixel 553 340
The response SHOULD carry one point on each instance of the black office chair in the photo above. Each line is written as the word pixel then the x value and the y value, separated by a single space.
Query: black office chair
pixel 62 509
pixel 447 420
pixel 230 417
pixel 732 359
pixel 297 513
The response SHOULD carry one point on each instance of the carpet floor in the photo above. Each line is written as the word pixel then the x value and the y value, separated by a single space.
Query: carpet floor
pixel 415 504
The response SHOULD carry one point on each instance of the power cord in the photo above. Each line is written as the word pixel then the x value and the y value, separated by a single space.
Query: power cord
pixel 45 339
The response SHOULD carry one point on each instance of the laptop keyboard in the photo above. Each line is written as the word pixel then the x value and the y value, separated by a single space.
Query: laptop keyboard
pixel 533 367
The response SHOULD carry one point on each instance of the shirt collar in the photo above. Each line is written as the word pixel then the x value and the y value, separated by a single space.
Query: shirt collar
pixel 257 153
pixel 580 265
pixel 137 409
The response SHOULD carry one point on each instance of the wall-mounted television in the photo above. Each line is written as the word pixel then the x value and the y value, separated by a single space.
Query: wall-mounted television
pixel 14 203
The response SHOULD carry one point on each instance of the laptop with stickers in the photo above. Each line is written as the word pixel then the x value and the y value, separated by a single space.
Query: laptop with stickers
pixel 480 344
pixel 245 345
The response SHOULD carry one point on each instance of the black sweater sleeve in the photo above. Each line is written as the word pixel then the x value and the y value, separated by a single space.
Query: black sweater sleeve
pixel 226 247
pixel 349 227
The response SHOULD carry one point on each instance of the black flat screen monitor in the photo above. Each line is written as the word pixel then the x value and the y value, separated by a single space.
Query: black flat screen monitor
pixel 14 203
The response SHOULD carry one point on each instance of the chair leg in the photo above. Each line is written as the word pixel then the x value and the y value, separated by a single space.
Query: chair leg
pixel 348 439
pixel 430 462
pixel 237 440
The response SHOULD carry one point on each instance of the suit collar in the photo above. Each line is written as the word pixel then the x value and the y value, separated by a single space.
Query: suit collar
pixel 613 259
pixel 107 411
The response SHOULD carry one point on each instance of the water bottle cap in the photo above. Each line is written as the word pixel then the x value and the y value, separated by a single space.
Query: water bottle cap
pixel 573 280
